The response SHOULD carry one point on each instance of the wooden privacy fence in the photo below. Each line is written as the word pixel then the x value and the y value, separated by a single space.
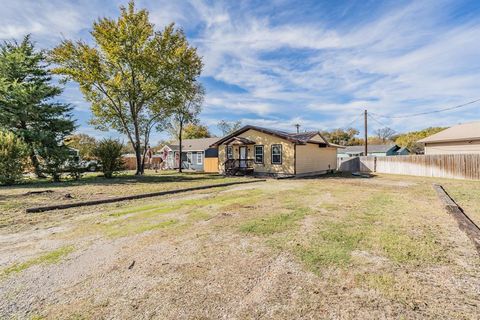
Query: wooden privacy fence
pixel 455 166
pixel 211 165
pixel 130 163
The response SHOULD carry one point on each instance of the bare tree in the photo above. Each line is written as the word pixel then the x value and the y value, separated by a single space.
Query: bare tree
pixel 385 134
pixel 228 127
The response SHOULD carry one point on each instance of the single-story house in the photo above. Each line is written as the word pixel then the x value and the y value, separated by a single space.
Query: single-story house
pixel 378 150
pixel 462 138
pixel 261 151
pixel 196 155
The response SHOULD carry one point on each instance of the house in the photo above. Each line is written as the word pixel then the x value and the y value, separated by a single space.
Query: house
pixel 196 155
pixel 266 152
pixel 378 150
pixel 462 138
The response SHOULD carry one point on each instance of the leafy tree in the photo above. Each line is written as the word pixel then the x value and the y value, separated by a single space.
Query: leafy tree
pixel 26 100
pixel 375 140
pixel 132 76
pixel 385 134
pixel 228 127
pixel 83 143
pixel 13 153
pixel 109 153
pixel 196 131
pixel 185 111
pixel 410 139
pixel 342 136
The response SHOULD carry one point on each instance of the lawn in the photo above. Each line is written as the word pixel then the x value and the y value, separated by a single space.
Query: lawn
pixel 331 247
pixel 15 199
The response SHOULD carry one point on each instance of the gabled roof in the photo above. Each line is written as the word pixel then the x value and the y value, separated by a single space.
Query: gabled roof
pixel 193 144
pixel 461 132
pixel 298 138
pixel 376 148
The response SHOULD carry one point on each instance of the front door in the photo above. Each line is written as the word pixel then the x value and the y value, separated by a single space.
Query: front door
pixel 243 157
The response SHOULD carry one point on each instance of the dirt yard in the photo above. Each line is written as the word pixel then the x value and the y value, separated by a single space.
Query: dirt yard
pixel 333 247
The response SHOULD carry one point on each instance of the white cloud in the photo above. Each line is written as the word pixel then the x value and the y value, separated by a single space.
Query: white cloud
pixel 402 59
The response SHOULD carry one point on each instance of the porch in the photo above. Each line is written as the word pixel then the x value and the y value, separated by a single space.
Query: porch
pixel 238 161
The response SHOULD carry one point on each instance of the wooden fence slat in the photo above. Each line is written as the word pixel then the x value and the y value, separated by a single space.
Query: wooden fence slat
pixel 456 166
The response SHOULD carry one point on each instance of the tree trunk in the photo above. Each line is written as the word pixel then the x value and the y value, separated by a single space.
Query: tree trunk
pixel 36 164
pixel 138 156
pixel 138 153
pixel 180 147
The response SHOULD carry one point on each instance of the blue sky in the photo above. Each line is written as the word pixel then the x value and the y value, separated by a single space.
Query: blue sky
pixel 317 63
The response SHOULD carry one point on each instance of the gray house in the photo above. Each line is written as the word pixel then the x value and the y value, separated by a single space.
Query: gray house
pixel 378 150
pixel 195 153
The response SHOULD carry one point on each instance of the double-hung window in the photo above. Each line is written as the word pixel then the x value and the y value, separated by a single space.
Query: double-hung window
pixel 199 158
pixel 229 152
pixel 276 154
pixel 259 154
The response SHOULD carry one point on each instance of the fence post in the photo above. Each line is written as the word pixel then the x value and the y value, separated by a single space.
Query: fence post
pixel 374 164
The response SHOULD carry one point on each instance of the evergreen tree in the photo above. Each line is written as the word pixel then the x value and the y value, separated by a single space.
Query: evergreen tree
pixel 27 106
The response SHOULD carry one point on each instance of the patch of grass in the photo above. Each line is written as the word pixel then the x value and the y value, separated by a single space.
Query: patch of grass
pixel 274 224
pixel 136 209
pixel 333 245
pixel 198 216
pixel 383 282
pixel 403 248
pixel 117 230
pixel 374 224
pixel 48 258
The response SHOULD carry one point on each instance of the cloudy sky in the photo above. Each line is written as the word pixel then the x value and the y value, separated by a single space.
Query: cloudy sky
pixel 317 63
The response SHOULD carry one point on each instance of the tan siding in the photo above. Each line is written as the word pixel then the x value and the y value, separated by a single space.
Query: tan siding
pixel 460 147
pixel 287 166
pixel 317 138
pixel 312 158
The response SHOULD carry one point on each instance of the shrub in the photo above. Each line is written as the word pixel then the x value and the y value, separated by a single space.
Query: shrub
pixel 55 159
pixel 74 168
pixel 109 153
pixel 13 152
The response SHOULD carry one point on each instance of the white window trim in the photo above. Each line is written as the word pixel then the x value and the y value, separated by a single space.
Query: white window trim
pixel 199 158
pixel 255 154
pixel 228 155
pixel 280 154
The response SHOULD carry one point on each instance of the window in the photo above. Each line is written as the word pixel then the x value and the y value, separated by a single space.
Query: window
pixel 229 152
pixel 276 154
pixel 199 158
pixel 259 154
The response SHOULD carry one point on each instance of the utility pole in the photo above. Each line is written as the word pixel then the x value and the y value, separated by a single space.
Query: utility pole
pixel 298 127
pixel 366 133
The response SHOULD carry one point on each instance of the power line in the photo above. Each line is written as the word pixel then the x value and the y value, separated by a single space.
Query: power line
pixel 354 120
pixel 427 112
pixel 380 123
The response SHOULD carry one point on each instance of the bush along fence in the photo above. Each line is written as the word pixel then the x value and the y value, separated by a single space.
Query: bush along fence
pixel 454 166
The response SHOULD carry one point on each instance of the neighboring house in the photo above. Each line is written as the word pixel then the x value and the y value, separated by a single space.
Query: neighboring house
pixel 196 155
pixel 260 151
pixel 462 138
pixel 378 150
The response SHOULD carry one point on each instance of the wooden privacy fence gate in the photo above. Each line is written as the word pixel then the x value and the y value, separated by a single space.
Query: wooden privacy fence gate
pixel 455 166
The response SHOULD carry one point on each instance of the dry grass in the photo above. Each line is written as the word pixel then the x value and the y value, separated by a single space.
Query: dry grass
pixel 334 247
pixel 15 199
